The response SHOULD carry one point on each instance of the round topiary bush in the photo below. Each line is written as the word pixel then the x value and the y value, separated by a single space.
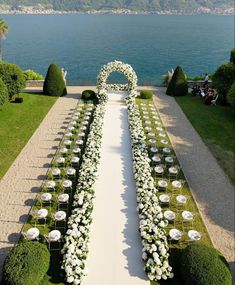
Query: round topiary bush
pixel 54 84
pixel 88 95
pixel 204 265
pixel 146 94
pixel 3 92
pixel 13 77
pixel 223 79
pixel 178 86
pixel 26 264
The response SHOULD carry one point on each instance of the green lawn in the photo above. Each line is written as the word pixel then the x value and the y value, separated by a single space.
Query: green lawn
pixel 216 126
pixel 17 124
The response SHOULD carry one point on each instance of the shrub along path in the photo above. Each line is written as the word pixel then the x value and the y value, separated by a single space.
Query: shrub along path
pixel 115 247
pixel 211 188
pixel 19 186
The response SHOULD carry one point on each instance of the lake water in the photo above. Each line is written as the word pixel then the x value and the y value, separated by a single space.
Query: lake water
pixel 152 44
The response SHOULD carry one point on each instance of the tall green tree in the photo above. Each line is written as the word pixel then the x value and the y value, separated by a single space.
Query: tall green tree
pixel 3 31
pixel 54 84
pixel 178 86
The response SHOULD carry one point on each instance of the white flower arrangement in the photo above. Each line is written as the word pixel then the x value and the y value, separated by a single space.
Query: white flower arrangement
pixel 120 67
pixel 154 240
pixel 152 223
pixel 75 249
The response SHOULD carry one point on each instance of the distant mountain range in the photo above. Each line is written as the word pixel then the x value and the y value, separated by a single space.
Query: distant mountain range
pixel 135 5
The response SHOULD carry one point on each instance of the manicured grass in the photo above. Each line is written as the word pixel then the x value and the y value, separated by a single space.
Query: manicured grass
pixel 175 248
pixel 55 275
pixel 17 124
pixel 216 126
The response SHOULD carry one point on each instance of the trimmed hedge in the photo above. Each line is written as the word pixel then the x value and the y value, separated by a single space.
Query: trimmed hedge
pixel 88 95
pixel 54 84
pixel 223 79
pixel 178 86
pixel 204 265
pixel 26 264
pixel 3 92
pixel 231 95
pixel 232 56
pixel 13 77
pixel 30 74
pixel 146 94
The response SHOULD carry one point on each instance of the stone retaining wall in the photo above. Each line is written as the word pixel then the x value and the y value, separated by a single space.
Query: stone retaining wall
pixel 200 82
pixel 34 83
pixel 39 83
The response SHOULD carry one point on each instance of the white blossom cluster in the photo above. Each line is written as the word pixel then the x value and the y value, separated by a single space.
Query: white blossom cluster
pixel 120 67
pixel 75 249
pixel 154 240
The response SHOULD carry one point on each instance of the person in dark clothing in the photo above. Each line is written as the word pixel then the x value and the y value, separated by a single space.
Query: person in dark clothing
pixel 196 90
pixel 209 97
pixel 206 89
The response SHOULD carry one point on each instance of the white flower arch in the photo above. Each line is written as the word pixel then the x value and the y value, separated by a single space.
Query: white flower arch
pixel 120 67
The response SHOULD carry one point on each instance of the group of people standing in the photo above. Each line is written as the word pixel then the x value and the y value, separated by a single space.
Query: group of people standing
pixel 205 92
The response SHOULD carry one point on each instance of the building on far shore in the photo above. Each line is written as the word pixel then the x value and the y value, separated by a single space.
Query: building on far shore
pixel 40 9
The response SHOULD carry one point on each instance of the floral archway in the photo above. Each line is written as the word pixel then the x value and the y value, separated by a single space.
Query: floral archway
pixel 121 67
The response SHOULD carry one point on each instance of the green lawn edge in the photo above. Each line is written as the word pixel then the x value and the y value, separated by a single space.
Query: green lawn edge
pixel 199 225
pixel 18 122
pixel 216 126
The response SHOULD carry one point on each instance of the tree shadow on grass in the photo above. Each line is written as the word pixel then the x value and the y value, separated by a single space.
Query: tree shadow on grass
pixel 55 267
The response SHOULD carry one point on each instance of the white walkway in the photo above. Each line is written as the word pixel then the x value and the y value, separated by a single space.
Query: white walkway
pixel 115 246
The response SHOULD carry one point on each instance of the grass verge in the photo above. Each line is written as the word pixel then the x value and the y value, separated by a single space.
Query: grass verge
pixel 17 124
pixel 55 275
pixel 216 126
pixel 175 248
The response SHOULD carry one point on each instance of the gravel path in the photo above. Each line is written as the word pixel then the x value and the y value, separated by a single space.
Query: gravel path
pixel 19 186
pixel 210 186
pixel 115 246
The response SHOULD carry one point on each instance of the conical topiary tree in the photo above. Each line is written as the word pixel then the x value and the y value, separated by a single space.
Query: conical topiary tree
pixel 178 85
pixel 54 84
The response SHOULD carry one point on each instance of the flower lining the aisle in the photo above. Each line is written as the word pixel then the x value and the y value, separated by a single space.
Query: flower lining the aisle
pixel 75 249
pixel 154 240
pixel 152 223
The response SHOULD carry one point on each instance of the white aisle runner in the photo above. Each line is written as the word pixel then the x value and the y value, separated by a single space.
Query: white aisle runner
pixel 115 245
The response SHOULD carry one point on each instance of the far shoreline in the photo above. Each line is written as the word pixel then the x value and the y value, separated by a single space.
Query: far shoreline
pixel 28 10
